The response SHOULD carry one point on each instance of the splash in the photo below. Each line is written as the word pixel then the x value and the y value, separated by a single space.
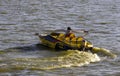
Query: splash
pixel 65 59
pixel 104 51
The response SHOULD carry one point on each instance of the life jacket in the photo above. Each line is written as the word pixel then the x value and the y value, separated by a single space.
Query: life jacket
pixel 70 35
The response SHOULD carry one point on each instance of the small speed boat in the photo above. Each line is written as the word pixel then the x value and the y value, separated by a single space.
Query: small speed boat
pixel 59 41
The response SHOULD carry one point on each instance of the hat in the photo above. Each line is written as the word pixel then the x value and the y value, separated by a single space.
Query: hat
pixel 69 28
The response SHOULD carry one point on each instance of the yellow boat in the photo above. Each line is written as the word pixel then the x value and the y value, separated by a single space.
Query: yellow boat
pixel 59 41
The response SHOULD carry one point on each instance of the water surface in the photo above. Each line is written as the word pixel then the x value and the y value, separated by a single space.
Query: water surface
pixel 20 19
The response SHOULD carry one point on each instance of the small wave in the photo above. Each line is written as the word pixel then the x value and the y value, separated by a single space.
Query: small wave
pixel 65 59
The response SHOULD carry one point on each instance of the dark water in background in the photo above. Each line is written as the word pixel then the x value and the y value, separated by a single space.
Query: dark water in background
pixel 20 19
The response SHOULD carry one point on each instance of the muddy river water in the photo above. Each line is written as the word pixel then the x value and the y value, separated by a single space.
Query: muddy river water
pixel 22 55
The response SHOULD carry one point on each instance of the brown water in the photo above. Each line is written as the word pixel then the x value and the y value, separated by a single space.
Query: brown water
pixel 20 19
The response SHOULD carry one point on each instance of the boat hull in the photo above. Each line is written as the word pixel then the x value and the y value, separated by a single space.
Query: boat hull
pixel 54 41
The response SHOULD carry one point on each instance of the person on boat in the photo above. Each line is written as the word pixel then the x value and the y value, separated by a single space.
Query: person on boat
pixel 70 33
